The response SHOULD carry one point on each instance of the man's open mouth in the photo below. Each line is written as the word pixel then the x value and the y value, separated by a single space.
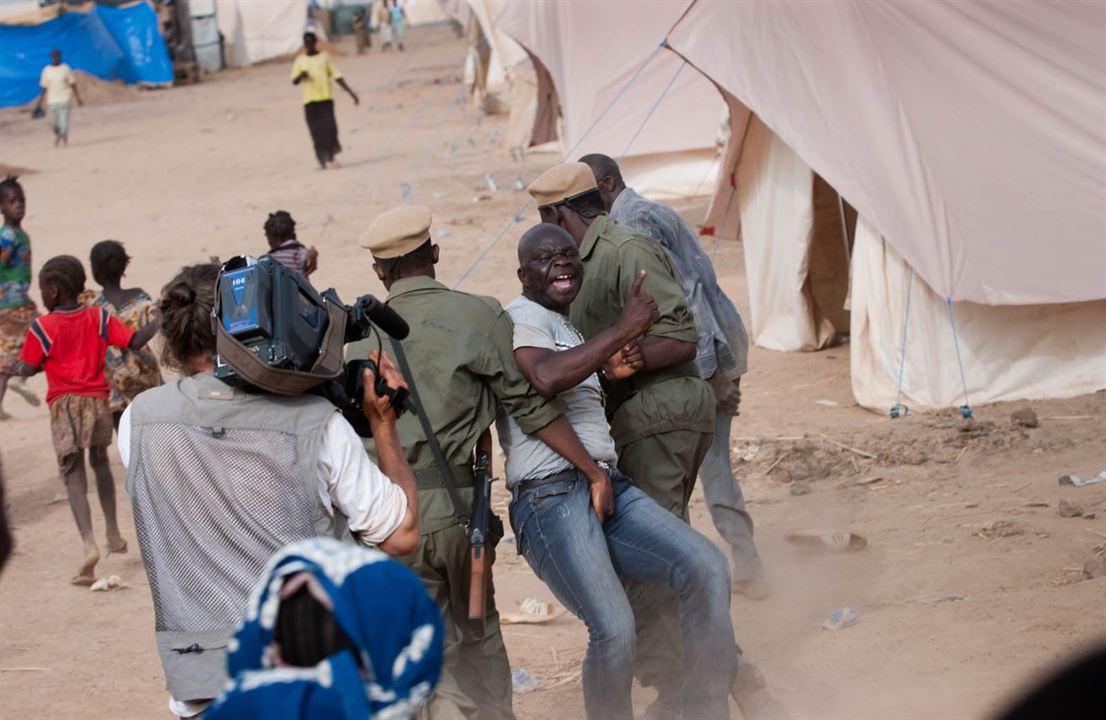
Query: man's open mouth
pixel 563 281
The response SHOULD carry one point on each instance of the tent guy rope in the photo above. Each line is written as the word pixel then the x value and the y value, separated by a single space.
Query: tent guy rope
pixel 966 408
pixel 652 109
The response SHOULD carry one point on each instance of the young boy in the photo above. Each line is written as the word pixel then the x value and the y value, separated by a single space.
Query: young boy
pixel 17 310
pixel 69 343
pixel 280 231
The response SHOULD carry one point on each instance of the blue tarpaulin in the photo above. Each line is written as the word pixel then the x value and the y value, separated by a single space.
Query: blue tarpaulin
pixel 110 43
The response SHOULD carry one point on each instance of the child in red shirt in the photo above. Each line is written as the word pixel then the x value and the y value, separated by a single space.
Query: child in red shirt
pixel 69 343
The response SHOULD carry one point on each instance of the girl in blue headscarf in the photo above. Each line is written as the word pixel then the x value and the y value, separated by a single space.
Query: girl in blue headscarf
pixel 333 630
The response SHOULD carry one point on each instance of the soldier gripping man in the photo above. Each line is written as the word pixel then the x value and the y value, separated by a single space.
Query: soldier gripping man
pixel 461 359
pixel 662 419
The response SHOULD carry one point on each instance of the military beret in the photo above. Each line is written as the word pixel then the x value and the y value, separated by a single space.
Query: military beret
pixel 398 232
pixel 562 182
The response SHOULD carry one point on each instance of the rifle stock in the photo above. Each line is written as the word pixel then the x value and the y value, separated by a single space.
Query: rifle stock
pixel 477 583
pixel 478 537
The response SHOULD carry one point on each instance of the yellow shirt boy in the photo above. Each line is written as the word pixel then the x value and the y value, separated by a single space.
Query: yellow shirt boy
pixel 321 72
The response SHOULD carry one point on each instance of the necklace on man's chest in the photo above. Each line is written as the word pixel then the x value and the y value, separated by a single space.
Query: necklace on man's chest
pixel 570 329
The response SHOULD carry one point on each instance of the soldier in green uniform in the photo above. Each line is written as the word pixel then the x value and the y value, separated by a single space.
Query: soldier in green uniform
pixel 662 419
pixel 462 363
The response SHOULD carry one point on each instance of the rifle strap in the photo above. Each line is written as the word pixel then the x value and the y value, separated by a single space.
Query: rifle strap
pixel 460 510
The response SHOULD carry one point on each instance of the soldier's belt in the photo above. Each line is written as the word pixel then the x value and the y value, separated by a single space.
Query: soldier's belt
pixel 431 478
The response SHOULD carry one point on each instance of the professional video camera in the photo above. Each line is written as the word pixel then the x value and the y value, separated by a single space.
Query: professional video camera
pixel 276 333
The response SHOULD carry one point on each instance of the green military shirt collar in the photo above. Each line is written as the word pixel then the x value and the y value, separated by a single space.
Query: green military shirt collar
pixel 591 237
pixel 414 284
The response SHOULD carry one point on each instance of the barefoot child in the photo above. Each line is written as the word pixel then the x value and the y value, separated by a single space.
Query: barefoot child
pixel 129 372
pixel 69 343
pixel 280 231
pixel 17 310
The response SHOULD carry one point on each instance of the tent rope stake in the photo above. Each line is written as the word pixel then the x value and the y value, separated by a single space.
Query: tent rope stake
pixel 517 218
pixel 900 410
pixel 966 408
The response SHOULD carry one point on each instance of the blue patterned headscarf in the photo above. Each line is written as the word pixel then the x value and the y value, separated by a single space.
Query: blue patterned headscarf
pixel 380 605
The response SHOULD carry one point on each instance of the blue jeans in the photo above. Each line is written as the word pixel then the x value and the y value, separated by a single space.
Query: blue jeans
pixel 727 504
pixel 581 561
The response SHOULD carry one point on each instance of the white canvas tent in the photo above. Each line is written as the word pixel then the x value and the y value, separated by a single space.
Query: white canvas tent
pixel 972 135
pixel 588 53
pixel 257 31
pixel 1010 352
pixel 796 252
pixel 500 56
pixel 423 12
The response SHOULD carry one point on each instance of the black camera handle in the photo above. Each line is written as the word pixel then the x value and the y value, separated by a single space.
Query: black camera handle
pixel 460 510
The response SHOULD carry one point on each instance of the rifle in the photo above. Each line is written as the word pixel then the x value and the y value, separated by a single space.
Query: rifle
pixel 483 526
pixel 478 537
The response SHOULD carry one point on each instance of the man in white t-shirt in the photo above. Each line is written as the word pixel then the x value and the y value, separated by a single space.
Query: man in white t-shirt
pixel 59 87
pixel 582 538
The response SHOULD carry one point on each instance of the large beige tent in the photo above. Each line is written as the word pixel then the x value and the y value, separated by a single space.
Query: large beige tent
pixel 970 137
pixel 972 140
pixel 586 55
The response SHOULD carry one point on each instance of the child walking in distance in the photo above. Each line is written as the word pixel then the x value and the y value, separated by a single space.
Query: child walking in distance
pixel 129 372
pixel 69 343
pixel 280 231
pixel 17 310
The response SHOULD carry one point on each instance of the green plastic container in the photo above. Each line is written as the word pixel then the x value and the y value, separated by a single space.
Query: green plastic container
pixel 341 18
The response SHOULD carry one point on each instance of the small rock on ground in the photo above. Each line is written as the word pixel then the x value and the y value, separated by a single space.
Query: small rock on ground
pixel 1069 509
pixel 1024 417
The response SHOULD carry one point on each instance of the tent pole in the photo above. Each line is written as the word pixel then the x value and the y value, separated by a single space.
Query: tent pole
pixel 844 229
pixel 900 410
pixel 725 219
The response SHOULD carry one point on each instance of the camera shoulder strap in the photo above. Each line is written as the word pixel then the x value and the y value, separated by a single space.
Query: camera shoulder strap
pixel 460 509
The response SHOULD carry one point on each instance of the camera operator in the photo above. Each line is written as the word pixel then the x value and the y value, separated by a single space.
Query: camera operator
pixel 220 479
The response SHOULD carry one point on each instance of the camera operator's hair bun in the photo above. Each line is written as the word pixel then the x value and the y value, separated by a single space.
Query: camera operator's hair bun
pixel 179 294
pixel 185 307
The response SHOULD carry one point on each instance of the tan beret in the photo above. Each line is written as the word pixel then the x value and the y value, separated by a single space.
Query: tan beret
pixel 562 182
pixel 398 232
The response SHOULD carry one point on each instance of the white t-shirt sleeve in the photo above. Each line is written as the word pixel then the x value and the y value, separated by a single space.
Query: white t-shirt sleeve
pixel 351 482
pixel 532 326
pixel 123 438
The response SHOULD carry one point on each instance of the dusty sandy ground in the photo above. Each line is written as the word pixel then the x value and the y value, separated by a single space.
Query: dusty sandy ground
pixel 182 174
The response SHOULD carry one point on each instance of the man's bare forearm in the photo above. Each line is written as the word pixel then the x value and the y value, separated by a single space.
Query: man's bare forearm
pixel 661 352
pixel 552 372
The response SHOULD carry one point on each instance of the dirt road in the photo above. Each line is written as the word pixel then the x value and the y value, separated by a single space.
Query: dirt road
pixel 182 174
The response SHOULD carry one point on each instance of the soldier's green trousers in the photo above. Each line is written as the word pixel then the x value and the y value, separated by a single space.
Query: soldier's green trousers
pixel 476 675
pixel 664 466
